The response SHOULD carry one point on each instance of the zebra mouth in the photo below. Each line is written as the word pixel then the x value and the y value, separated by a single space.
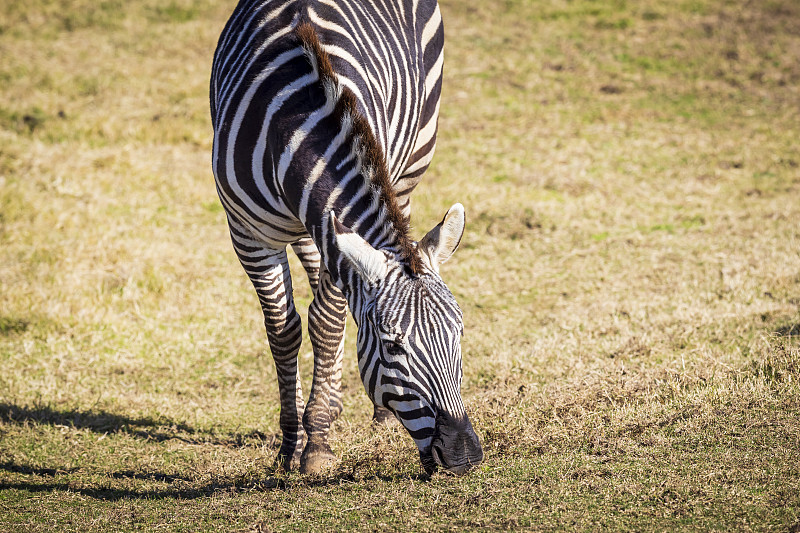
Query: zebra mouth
pixel 428 462
pixel 455 446
pixel 454 469
pixel 433 458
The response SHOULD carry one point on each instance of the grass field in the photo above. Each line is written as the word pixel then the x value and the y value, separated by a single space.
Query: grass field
pixel 630 279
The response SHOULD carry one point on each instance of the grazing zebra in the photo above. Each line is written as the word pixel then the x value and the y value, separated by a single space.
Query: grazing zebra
pixel 325 118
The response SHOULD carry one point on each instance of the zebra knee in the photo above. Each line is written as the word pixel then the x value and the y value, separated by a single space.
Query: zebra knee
pixel 326 318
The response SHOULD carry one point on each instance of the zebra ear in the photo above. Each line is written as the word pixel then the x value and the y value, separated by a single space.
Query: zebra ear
pixel 370 264
pixel 439 244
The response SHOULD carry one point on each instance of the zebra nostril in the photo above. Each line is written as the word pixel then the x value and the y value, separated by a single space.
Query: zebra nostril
pixel 437 454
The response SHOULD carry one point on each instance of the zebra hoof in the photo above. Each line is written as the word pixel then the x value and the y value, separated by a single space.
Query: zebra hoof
pixel 289 457
pixel 384 417
pixel 317 458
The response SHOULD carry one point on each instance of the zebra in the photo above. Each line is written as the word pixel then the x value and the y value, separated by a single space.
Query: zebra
pixel 325 115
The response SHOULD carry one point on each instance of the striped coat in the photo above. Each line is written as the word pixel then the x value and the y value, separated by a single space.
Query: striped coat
pixel 325 118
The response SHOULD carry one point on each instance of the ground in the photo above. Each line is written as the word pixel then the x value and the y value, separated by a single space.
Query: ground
pixel 630 279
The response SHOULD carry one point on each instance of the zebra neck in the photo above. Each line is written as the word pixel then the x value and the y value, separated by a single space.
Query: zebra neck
pixel 357 205
pixel 342 166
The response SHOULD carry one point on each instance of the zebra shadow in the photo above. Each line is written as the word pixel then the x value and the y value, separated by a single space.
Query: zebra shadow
pixel 57 479
pixel 157 430
pixel 179 486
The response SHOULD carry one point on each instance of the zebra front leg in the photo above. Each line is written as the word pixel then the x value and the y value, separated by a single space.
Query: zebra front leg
pixel 309 256
pixel 268 270
pixel 285 333
pixel 326 322
pixel 306 251
pixel 336 380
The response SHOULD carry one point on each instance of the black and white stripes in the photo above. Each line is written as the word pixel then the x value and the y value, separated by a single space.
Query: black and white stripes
pixel 325 118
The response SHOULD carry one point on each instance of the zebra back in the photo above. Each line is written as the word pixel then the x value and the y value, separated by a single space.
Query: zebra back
pixel 378 65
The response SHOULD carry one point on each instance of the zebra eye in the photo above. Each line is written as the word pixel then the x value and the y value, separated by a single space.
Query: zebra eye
pixel 394 349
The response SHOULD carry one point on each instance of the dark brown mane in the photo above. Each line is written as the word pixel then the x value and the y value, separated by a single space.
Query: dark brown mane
pixel 373 158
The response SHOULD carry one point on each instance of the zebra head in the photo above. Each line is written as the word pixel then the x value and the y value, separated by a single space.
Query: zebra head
pixel 409 343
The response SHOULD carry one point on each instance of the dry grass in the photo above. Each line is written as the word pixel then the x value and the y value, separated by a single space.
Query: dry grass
pixel 630 279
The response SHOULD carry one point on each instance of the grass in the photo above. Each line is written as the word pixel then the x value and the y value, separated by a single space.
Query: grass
pixel 630 279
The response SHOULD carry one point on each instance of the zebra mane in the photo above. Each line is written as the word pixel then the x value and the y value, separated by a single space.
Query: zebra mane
pixel 363 139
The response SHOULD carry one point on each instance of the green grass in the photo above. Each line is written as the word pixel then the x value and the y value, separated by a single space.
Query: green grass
pixel 630 279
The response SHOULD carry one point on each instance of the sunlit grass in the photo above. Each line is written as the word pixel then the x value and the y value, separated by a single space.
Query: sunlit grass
pixel 630 279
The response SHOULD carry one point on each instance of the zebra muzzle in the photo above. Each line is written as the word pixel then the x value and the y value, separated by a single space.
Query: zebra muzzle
pixel 455 447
